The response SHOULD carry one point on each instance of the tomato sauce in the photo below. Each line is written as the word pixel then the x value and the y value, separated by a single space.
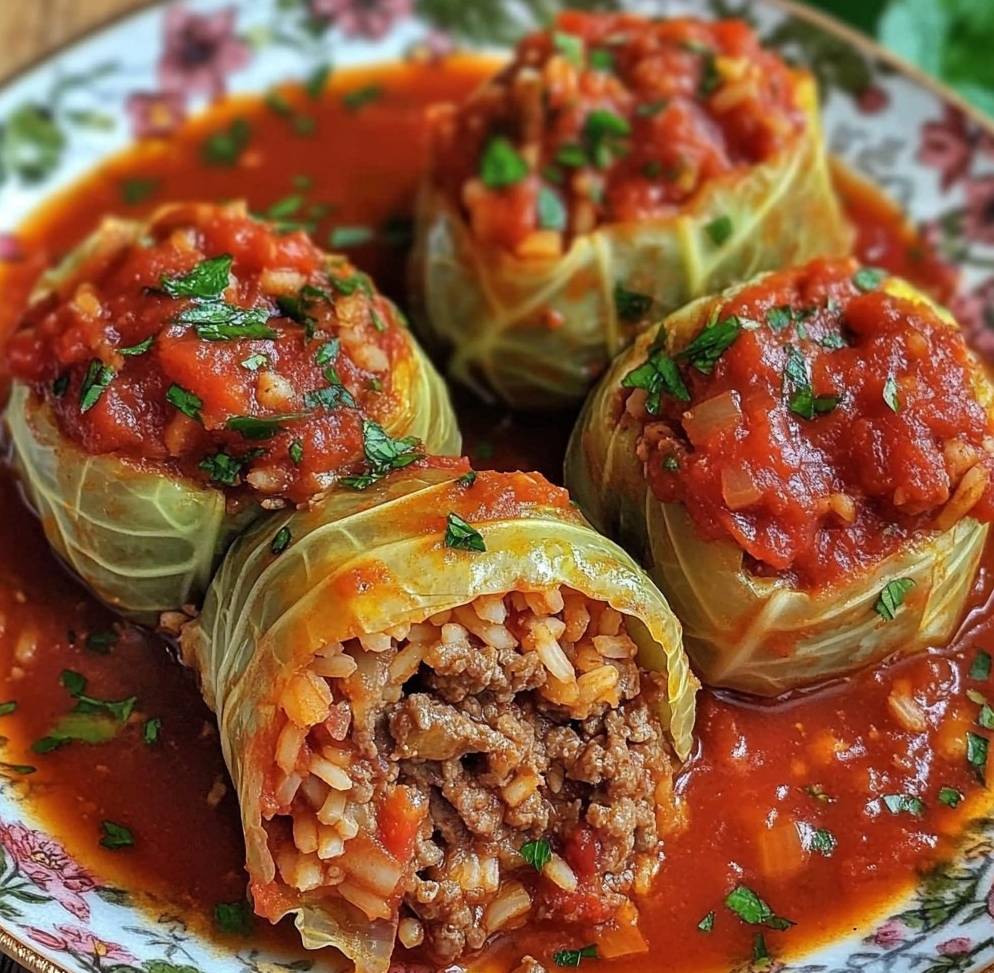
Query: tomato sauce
pixel 838 422
pixel 615 118
pixel 765 775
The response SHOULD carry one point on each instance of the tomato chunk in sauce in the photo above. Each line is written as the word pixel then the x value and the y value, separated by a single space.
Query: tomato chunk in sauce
pixel 836 422
pixel 612 118
pixel 211 345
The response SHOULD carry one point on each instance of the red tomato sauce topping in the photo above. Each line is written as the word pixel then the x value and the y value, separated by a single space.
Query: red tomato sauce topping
pixel 611 118
pixel 834 422
pixel 214 346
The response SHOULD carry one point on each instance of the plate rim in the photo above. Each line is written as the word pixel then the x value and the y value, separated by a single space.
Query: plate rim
pixel 27 956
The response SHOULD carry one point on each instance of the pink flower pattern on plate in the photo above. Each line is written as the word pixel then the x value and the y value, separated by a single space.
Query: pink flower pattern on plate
pixel 890 933
pixel 72 939
pixel 46 864
pixel 954 947
pixel 978 216
pixel 154 114
pixel 362 18
pixel 200 50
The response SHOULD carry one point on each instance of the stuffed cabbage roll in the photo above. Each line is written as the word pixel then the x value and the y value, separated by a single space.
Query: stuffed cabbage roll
pixel 175 378
pixel 804 463
pixel 617 168
pixel 449 707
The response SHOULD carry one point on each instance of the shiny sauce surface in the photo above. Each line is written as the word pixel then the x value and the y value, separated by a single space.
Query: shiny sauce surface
pixel 765 777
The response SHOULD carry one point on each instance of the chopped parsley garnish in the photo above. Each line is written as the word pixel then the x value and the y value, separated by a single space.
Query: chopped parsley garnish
pixel 603 133
pixel 328 352
pixel 351 284
pixel 832 341
pixel 360 97
pixel 187 403
pixel 573 957
pixel 91 720
pixel 297 307
pixel 719 230
pixel 551 211
pixel 343 237
pixel 868 279
pixel 648 109
pixel 710 79
pixel 133 351
pixel 225 147
pixel 670 463
pixel 501 165
pixel 281 540
pixel 61 385
pixel 207 281
pixel 780 318
pixel 891 394
pixel 537 853
pixel 760 952
pixel 226 322
pixel 976 755
pixel 570 46
pixel 631 305
pixel 254 362
pixel 260 427
pixel 116 836
pixel 711 343
pixel 658 375
pixel 234 918
pixel 296 452
pixel 950 796
pixel 892 597
pixel 797 384
pixel 101 641
pixel 462 536
pixel 330 397
pixel 904 804
pixel 22 770
pixel 467 479
pixel 707 923
pixel 980 668
pixel 976 697
pixel 383 455
pixel 750 908
pixel 222 468
pixel 134 191
pixel 151 730
pixel 818 840
pixel 316 81
pixel 985 717
pixel 7 708
pixel 601 60
pixel 96 381
pixel 818 793
pixel 572 156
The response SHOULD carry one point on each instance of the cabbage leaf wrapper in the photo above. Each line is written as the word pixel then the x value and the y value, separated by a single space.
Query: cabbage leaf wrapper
pixel 536 332
pixel 143 537
pixel 763 633
pixel 350 597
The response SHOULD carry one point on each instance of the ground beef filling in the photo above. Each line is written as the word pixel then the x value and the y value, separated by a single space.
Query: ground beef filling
pixel 497 763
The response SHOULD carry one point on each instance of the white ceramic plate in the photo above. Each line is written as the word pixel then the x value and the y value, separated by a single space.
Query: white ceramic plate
pixel 68 113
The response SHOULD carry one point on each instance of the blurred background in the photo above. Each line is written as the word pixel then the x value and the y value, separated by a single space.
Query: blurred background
pixel 950 39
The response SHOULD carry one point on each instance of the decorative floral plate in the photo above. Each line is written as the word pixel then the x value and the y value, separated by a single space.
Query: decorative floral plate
pixel 150 70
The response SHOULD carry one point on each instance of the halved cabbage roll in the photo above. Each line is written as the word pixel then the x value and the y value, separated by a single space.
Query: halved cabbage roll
pixel 449 707
pixel 616 169
pixel 174 378
pixel 804 464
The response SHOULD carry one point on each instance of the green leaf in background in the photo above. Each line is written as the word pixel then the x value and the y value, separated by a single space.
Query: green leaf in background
pixel 950 39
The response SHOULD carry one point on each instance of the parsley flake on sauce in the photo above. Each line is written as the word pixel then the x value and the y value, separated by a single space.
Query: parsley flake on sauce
pixel 890 394
pixel 136 190
pixel 383 455
pixel 151 730
pixel 976 755
pixel 797 383
pixel 296 452
pixel 985 717
pixel 980 668
pixel 603 133
pixel 467 479
pixel 892 597
pixel 818 840
pixel 116 836
pixel 658 375
pixel 711 343
pixel 573 957
pixel 133 351
pixel 330 397
pixel 222 468
pixel 760 952
pixel 254 362
pixel 344 237
pixel 750 908
pixel 207 281
pixel 187 403
pixel 7 708
pixel 234 918
pixel 61 385
pixel 101 641
pixel 537 853
pixel 461 535
pixel 551 211
pixel 868 279
pixel 261 427
pixel 501 165
pixel 225 146
pixel 707 923
pixel 91 720
pixel 950 796
pixel 570 46
pixel 96 381
pixel 359 98
pixel 904 804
